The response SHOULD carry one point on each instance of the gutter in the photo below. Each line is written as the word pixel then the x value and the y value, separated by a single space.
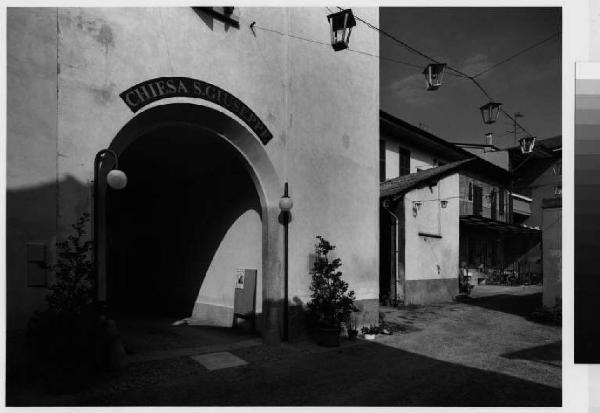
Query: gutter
pixel 395 219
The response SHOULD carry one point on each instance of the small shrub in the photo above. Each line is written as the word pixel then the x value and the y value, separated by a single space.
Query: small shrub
pixel 331 301
pixel 65 339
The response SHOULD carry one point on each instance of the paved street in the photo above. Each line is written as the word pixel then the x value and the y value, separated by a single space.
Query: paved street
pixel 476 353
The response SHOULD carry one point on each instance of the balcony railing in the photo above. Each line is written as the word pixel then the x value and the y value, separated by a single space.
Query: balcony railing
pixel 467 208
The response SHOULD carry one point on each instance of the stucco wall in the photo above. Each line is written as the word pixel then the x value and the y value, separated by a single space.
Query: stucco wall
pixel 418 158
pixel 31 152
pixel 332 152
pixel 321 106
pixel 239 249
pixel 433 257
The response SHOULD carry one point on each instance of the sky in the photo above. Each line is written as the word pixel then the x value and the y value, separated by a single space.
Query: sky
pixel 473 39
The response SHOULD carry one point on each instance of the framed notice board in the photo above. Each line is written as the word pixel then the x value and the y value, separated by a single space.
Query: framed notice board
pixel 244 303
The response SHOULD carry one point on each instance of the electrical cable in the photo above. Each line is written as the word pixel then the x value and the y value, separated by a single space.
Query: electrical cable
pixel 533 46
pixel 458 72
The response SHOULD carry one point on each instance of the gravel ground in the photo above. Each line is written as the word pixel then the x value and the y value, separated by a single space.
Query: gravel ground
pixel 475 353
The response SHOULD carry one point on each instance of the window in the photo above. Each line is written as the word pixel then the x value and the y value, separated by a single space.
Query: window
pixel 381 160
pixel 404 162
pixel 493 197
pixel 477 200
pixel 470 194
pixel 501 202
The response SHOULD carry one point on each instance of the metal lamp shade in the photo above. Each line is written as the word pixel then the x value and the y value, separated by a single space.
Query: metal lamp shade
pixel 434 74
pixel 489 112
pixel 116 179
pixel 527 144
pixel 341 24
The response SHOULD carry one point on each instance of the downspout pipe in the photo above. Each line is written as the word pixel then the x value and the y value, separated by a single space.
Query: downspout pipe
pixel 386 204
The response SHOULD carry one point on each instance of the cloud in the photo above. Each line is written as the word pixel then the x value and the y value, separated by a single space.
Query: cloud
pixel 412 90
pixel 476 64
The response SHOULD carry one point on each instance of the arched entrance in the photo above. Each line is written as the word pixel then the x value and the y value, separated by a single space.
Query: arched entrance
pixel 201 202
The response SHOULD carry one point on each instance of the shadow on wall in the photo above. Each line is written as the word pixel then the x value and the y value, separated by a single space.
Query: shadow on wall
pixel 31 217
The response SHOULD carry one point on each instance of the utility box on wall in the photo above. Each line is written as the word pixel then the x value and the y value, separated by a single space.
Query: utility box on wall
pixel 244 303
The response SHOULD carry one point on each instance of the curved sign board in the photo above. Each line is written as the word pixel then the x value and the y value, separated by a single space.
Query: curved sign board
pixel 144 93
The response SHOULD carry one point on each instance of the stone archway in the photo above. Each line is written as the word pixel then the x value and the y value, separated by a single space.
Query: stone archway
pixel 208 121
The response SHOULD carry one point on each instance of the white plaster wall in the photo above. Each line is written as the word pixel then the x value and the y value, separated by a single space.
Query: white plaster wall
pixel 418 158
pixel 332 144
pixel 240 248
pixel 428 257
pixel 320 105
pixel 104 51
pixel 30 151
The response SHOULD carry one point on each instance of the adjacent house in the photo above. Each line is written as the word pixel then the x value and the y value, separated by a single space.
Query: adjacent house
pixel 539 177
pixel 442 208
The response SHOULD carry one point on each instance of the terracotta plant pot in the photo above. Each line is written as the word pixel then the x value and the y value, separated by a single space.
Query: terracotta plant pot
pixel 329 336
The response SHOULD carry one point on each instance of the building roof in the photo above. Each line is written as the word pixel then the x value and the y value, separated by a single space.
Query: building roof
pixel 398 186
pixel 475 145
pixel 543 148
pixel 551 143
pixel 419 137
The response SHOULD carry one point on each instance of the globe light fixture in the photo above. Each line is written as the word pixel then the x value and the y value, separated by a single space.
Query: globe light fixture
pixel 116 179
pixel 341 24
pixel 490 111
pixel 434 74
pixel 285 202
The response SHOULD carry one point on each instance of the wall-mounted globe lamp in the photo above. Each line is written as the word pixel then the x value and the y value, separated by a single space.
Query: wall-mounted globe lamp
pixel 434 74
pixel 527 143
pixel 115 179
pixel 341 24
pixel 490 111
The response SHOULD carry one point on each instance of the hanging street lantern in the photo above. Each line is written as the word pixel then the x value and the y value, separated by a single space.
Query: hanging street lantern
pixel 489 112
pixel 341 24
pixel 527 143
pixel 434 73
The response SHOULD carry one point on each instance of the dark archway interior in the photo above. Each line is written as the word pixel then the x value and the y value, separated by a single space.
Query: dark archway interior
pixel 185 190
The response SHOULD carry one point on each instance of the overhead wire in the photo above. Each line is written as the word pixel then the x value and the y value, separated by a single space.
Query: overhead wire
pixel 459 72
pixel 452 71
pixel 533 46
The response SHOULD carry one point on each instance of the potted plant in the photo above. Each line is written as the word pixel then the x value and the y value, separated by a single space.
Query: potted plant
pixel 370 332
pixel 331 303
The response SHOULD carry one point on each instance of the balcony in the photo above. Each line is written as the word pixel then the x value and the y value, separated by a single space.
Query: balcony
pixel 468 208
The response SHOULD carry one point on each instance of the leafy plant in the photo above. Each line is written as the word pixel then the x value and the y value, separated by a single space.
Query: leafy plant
pixel 65 339
pixel 331 302
pixel 73 289
pixel 372 329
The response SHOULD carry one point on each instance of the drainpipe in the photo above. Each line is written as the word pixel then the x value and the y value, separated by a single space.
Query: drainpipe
pixel 395 219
